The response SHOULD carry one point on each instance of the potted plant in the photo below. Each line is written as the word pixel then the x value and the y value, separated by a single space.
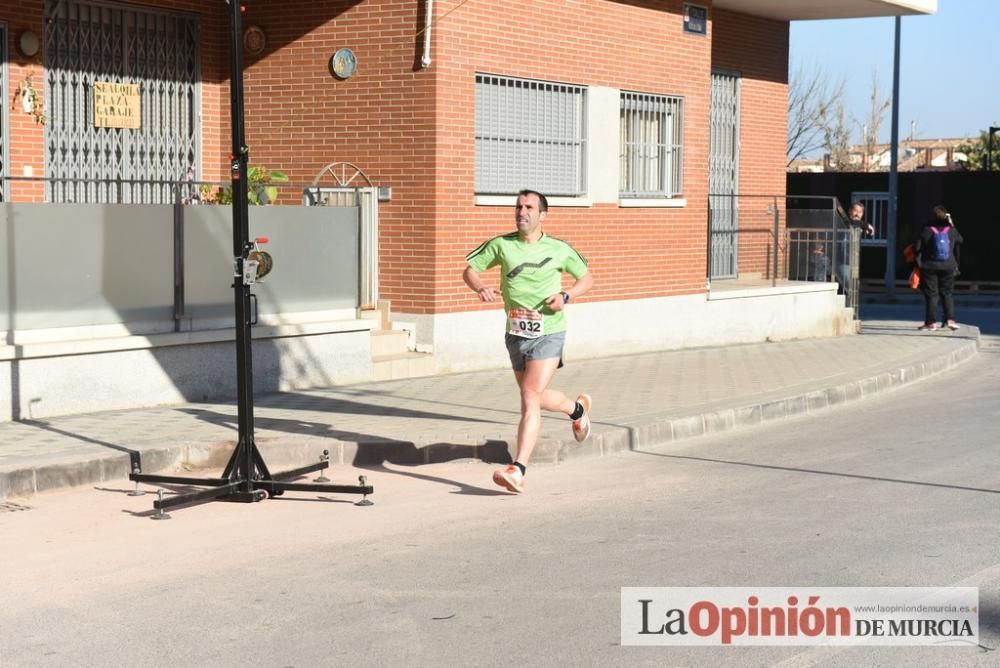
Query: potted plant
pixel 31 101
pixel 259 188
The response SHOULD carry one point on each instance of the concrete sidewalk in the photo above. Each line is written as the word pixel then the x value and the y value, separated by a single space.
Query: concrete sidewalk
pixel 639 400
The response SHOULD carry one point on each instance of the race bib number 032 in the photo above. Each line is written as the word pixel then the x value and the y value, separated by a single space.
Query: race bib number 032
pixel 527 323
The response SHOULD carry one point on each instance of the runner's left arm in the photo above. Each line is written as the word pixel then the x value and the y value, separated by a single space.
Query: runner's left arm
pixel 579 287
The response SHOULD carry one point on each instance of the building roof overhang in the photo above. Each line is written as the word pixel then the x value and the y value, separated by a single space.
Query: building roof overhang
pixel 799 10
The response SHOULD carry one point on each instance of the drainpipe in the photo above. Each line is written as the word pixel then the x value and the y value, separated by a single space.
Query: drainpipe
pixel 425 60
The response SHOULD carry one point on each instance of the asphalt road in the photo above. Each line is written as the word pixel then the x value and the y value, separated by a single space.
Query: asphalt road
pixel 901 490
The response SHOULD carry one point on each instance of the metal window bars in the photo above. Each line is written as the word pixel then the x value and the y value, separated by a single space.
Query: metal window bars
pixel 650 145
pixel 529 133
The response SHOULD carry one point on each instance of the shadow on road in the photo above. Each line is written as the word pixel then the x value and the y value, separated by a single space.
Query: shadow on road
pixel 463 488
pixel 837 474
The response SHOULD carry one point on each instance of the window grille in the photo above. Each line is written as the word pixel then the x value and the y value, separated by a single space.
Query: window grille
pixel 650 145
pixel 529 134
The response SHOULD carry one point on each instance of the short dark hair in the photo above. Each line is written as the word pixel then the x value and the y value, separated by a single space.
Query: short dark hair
pixel 940 209
pixel 543 204
pixel 857 203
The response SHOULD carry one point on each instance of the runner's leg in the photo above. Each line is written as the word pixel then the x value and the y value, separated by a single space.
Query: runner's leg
pixel 533 383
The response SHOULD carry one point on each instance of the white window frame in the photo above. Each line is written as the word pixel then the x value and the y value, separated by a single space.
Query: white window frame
pixel 651 146
pixel 530 134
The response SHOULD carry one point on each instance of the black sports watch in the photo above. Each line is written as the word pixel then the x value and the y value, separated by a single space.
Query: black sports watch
pixel 565 296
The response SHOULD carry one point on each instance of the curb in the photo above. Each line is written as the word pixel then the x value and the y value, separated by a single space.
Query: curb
pixel 622 438
pixel 606 440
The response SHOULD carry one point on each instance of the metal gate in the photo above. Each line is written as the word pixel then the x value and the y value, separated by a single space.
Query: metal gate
pixel 157 50
pixel 347 191
pixel 723 175
pixel 876 213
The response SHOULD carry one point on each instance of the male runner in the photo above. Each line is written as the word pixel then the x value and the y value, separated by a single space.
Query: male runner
pixel 531 264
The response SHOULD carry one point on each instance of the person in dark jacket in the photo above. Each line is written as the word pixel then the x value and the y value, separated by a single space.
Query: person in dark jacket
pixel 855 218
pixel 937 256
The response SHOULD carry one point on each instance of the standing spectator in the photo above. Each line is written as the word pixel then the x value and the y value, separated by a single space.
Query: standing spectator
pixel 855 218
pixel 937 250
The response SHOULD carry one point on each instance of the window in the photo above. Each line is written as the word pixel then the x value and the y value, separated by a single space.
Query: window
pixel 529 134
pixel 650 145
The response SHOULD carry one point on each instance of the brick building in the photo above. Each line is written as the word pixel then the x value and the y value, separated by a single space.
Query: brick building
pixel 628 113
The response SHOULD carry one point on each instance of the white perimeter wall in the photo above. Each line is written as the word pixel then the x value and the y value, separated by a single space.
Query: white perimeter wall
pixel 474 340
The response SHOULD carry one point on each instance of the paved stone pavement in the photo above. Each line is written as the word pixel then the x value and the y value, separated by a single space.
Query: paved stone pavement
pixel 638 400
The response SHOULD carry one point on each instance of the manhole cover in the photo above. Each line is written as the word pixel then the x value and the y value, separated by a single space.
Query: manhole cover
pixel 11 507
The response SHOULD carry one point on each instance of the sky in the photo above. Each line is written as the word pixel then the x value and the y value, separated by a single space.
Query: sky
pixel 949 83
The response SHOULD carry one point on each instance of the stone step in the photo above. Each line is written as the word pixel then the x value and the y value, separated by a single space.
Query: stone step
pixel 848 325
pixel 402 365
pixel 388 342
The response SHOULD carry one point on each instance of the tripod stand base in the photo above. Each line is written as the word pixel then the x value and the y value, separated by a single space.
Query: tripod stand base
pixel 243 489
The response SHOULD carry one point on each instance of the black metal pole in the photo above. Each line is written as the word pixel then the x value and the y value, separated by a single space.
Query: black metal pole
pixel 241 245
pixel 890 237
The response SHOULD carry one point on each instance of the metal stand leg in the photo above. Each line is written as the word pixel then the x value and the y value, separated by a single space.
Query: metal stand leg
pixel 325 457
pixel 136 491
pixel 365 501
pixel 160 515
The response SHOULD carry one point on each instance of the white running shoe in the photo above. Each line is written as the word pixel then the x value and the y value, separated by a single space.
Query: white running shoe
pixel 581 427
pixel 510 478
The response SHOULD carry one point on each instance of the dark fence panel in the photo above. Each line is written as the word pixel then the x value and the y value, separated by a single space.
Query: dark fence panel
pixel 973 198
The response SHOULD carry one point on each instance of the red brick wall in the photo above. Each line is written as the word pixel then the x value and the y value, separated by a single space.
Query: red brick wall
pixel 757 49
pixel 633 45
pixel 300 119
pixel 412 128
pixel 26 134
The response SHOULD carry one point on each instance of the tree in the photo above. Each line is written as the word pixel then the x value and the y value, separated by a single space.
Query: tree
pixel 813 102
pixel 836 132
pixel 975 152
pixel 818 119
pixel 876 116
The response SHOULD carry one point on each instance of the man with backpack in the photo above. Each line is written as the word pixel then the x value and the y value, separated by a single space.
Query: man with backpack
pixel 937 256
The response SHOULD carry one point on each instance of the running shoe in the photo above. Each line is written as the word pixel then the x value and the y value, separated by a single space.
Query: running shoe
pixel 929 326
pixel 952 325
pixel 581 427
pixel 510 478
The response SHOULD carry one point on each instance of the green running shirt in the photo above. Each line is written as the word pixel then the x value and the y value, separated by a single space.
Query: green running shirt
pixel 530 273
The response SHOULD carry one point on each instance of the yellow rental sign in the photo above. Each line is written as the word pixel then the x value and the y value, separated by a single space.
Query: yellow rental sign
pixel 116 105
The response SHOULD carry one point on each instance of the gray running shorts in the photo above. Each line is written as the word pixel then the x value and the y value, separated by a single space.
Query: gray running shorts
pixel 522 350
